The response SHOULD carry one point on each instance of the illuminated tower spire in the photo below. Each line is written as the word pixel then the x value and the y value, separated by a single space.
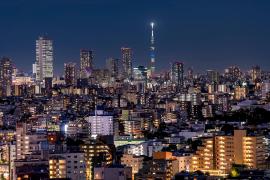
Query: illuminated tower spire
pixel 152 49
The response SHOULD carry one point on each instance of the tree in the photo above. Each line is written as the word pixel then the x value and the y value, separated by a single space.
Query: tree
pixel 227 128
pixel 170 148
pixel 2 177
pixel 194 144
pixel 236 169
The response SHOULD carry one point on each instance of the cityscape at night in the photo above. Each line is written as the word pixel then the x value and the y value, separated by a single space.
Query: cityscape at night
pixel 139 90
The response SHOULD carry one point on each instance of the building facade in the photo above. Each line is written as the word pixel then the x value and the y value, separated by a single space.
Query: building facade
pixel 127 62
pixel 113 67
pixel 177 74
pixel 70 74
pixel 100 123
pixel 44 59
pixel 218 153
pixel 86 63
pixel 5 77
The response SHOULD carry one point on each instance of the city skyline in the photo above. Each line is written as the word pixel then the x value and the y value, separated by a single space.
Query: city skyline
pixel 134 90
pixel 218 34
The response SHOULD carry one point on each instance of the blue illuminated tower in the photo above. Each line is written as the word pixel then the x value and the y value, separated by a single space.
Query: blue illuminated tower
pixel 152 49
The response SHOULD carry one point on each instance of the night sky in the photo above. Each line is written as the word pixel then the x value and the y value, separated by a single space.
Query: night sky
pixel 204 34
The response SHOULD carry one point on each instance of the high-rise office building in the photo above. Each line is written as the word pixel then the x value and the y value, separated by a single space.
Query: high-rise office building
pixel 256 73
pixel 113 67
pixel 177 74
pixel 86 59
pixel 213 76
pixel 127 62
pixel 70 74
pixel 44 59
pixel 5 77
pixel 190 73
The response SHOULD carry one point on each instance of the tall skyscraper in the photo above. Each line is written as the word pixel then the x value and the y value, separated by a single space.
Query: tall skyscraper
pixel 190 73
pixel 152 49
pixel 113 67
pixel 256 73
pixel 213 76
pixel 70 74
pixel 127 62
pixel 86 58
pixel 44 59
pixel 5 76
pixel 177 75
